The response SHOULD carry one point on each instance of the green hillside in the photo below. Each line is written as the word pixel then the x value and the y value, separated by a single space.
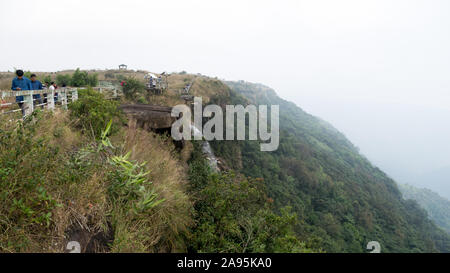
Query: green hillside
pixel 341 199
pixel 437 207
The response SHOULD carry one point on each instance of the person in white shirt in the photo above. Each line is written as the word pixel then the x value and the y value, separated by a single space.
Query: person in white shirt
pixel 52 90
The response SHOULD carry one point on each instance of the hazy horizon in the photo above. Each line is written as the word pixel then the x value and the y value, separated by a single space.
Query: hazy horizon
pixel 376 70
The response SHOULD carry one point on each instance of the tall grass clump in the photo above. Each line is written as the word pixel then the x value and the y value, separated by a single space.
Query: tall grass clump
pixel 159 221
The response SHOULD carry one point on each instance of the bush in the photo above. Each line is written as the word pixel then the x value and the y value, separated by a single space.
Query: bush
pixel 92 112
pixel 133 88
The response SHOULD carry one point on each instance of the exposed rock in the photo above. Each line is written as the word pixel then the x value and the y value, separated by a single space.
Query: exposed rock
pixel 151 118
pixel 148 117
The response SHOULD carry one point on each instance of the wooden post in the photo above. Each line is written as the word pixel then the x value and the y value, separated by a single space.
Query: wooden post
pixel 28 103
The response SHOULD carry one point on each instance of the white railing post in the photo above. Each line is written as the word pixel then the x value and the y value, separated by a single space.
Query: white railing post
pixel 50 100
pixel 64 98
pixel 28 103
pixel 74 94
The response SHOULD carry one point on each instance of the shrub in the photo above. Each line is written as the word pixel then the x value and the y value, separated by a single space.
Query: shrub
pixel 133 88
pixel 92 112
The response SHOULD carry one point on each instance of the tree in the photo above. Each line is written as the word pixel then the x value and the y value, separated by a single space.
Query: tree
pixel 47 80
pixel 63 79
pixel 80 78
pixel 233 214
pixel 92 80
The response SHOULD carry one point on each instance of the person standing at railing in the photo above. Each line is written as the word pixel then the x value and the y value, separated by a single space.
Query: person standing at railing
pixel 20 83
pixel 36 85
pixel 52 89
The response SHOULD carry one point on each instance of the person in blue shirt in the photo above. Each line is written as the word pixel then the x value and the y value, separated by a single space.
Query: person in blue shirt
pixel 36 85
pixel 20 83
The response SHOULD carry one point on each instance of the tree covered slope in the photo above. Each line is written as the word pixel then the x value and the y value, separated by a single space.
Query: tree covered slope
pixel 437 207
pixel 341 199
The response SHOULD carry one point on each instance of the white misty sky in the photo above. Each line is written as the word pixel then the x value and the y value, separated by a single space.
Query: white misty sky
pixel 377 70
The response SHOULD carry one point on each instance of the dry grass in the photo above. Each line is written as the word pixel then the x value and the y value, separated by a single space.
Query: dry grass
pixel 82 202
pixel 162 230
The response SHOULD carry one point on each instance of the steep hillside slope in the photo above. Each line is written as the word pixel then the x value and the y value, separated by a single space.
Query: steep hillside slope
pixel 60 182
pixel 437 207
pixel 342 201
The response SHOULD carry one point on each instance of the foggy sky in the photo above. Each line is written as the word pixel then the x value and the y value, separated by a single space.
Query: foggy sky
pixel 377 70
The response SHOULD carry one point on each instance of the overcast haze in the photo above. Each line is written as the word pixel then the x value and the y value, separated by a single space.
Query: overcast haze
pixel 377 70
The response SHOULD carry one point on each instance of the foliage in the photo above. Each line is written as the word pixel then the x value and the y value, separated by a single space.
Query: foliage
pixel 53 179
pixel 47 80
pixel 342 200
pixel 30 173
pixel 234 215
pixel 92 112
pixel 26 202
pixel 79 78
pixel 27 74
pixel 130 184
pixel 133 89
pixel 92 80
pixel 437 207
pixel 63 79
pixel 83 78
